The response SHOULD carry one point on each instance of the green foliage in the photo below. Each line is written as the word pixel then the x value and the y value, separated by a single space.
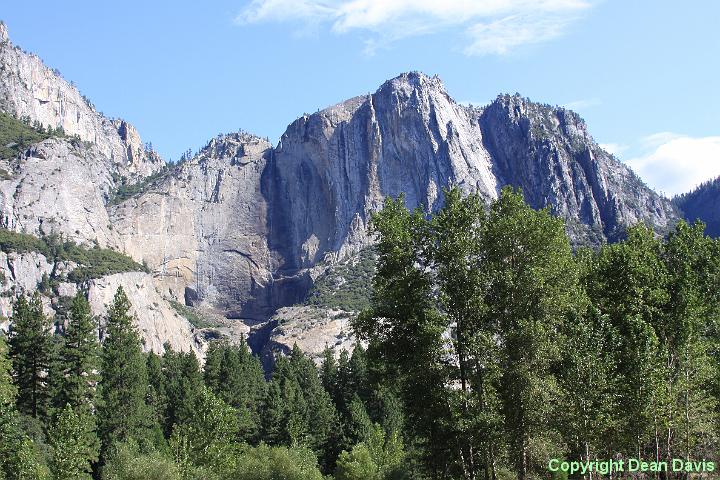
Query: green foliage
pixel 16 135
pixel 75 444
pixel 22 242
pixel 195 318
pixel 237 377
pixel 380 457
pixel 551 355
pixel 207 435
pixel 274 463
pixel 347 285
pixel 125 190
pixel 127 462
pixel 182 386
pixel 93 262
pixel 97 262
pixel 8 391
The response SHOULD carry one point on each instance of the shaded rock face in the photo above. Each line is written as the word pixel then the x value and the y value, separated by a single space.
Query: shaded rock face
pixel 549 154
pixel 30 89
pixel 333 168
pixel 702 204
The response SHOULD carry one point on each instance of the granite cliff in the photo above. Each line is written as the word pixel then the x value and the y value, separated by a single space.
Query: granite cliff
pixel 244 228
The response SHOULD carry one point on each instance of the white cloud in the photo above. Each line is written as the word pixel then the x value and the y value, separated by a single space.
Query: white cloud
pixel 614 148
pixel 492 26
pixel 675 163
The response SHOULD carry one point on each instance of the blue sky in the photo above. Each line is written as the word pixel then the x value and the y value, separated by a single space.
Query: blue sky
pixel 644 74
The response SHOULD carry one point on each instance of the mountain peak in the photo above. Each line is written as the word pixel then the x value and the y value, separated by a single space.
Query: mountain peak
pixel 4 37
pixel 414 80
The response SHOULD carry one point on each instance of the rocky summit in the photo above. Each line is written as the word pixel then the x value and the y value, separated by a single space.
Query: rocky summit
pixel 244 228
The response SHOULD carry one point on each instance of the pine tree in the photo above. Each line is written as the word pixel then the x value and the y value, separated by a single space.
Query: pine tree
pixel 74 442
pixel 79 358
pixel 8 391
pixel 19 458
pixel 122 412
pixel 329 372
pixel 30 350
pixel 157 398
pixel 273 419
pixel 236 376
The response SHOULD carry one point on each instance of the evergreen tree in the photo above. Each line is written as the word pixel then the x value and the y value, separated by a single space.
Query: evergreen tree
pixel 79 358
pixel 273 418
pixel 237 377
pixel 206 436
pixel 30 350
pixel 156 398
pixel 329 372
pixel 122 412
pixel 19 456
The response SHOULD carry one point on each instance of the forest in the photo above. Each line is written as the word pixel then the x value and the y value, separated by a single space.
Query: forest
pixel 490 346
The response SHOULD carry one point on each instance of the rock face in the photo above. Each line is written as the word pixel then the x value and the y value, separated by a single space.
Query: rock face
pixel 30 89
pixel 334 167
pixel 157 321
pixel 703 204
pixel 61 186
pixel 204 230
pixel 310 328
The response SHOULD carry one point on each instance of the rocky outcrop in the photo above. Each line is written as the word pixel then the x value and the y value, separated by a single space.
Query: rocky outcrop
pixel 549 153
pixel 703 203
pixel 332 168
pixel 30 89
pixel 310 328
pixel 157 321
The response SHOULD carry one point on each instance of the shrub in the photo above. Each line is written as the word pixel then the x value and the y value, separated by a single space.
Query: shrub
pixel 271 463
pixel 16 135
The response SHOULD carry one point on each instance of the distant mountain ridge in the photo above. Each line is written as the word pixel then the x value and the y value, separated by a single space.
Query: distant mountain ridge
pixel 703 203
